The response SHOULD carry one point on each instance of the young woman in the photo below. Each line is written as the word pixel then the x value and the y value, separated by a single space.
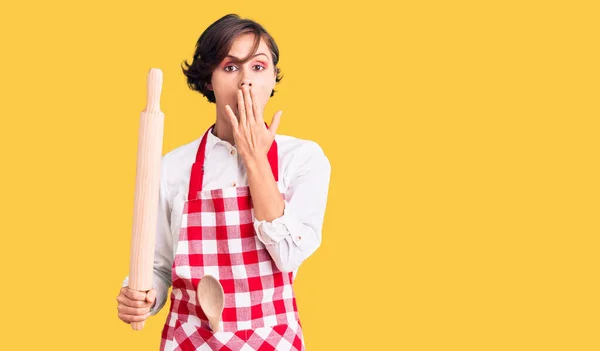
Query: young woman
pixel 240 203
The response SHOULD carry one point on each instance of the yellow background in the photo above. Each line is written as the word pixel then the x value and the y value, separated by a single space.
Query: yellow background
pixel 463 138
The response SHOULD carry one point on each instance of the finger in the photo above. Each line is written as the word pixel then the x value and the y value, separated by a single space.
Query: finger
pixel 275 122
pixel 126 301
pixel 241 107
pixel 232 117
pixel 131 311
pixel 248 103
pixel 129 318
pixel 151 296
pixel 255 111
pixel 133 294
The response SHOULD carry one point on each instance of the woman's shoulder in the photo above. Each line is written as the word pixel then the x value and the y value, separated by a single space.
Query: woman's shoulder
pixel 183 151
pixel 296 152
pixel 179 160
pixel 290 144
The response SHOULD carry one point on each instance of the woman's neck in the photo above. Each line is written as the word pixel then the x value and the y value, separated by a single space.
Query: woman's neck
pixel 223 129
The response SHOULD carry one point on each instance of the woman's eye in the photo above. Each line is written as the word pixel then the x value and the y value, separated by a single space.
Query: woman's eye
pixel 232 68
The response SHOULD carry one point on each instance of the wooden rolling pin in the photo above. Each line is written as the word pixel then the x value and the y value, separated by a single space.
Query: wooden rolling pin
pixel 147 183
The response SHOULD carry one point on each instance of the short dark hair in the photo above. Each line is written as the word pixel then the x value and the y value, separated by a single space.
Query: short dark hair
pixel 214 45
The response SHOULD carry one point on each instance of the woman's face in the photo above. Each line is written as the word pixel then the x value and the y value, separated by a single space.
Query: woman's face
pixel 228 77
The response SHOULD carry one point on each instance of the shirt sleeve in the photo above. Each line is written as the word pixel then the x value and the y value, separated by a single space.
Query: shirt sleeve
pixel 163 251
pixel 293 237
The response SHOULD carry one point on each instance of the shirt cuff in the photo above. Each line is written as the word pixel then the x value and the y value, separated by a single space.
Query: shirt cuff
pixel 271 233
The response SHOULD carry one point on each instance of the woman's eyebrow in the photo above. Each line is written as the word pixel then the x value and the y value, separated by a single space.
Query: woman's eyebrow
pixel 239 59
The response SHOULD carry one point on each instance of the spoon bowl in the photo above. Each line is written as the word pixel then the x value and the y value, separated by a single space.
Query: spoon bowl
pixel 212 300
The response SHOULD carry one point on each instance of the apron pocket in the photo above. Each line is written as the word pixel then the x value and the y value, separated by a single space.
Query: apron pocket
pixel 192 337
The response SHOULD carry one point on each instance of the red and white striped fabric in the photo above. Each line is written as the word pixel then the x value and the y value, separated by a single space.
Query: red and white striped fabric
pixel 217 237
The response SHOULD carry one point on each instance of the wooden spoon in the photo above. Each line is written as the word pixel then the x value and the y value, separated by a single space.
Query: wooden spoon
pixel 212 300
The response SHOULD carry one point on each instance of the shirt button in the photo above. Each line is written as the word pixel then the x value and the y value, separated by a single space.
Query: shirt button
pixel 299 237
pixel 232 183
pixel 232 152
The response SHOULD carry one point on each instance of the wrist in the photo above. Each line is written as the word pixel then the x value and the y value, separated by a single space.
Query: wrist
pixel 255 164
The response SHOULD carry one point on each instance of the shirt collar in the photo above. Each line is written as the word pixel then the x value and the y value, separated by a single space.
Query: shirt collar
pixel 213 140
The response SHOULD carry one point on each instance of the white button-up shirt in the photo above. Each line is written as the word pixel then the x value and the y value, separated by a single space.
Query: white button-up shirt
pixel 304 173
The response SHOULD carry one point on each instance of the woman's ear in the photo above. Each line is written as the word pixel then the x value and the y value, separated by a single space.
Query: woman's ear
pixel 208 86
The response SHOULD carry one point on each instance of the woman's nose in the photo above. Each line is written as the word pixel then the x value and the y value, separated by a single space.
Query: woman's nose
pixel 245 82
